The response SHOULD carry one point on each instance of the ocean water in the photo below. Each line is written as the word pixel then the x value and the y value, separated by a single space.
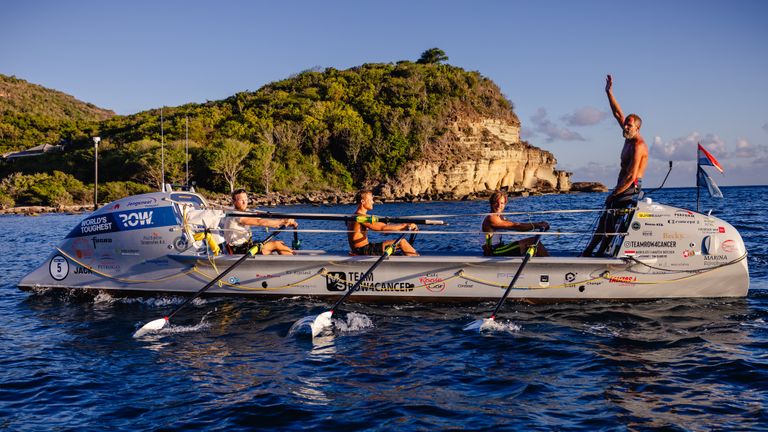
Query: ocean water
pixel 69 362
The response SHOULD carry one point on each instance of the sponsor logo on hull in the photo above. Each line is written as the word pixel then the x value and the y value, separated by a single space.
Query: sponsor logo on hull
pixel 340 281
pixel 433 282
pixel 124 221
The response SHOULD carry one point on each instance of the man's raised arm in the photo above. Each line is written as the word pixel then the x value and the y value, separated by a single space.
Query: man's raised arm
pixel 615 108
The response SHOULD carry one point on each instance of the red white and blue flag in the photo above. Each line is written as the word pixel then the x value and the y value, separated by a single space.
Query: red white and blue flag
pixel 706 158
pixel 702 178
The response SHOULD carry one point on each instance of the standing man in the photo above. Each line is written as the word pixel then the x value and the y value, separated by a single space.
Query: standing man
pixel 237 231
pixel 358 231
pixel 496 222
pixel 634 158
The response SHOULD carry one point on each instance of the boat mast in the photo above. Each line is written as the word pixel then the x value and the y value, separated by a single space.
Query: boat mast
pixel 186 148
pixel 162 153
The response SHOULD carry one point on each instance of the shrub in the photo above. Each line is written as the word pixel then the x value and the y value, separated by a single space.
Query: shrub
pixel 112 191
pixel 44 189
pixel 6 201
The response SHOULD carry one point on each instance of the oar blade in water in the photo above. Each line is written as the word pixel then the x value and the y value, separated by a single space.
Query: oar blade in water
pixel 151 326
pixel 479 325
pixel 302 326
pixel 322 323
pixel 491 325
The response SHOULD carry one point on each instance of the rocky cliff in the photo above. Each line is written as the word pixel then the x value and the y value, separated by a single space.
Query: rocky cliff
pixel 476 156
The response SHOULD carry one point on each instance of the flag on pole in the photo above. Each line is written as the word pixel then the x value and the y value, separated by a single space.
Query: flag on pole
pixel 702 178
pixel 705 158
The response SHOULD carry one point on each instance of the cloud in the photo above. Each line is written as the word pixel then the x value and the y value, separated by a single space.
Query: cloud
pixel 765 127
pixel 754 172
pixel 586 116
pixel 526 133
pixel 744 149
pixel 683 149
pixel 737 172
pixel 550 130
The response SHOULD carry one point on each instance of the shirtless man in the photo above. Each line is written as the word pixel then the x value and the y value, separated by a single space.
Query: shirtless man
pixel 634 158
pixel 237 231
pixel 495 221
pixel 358 231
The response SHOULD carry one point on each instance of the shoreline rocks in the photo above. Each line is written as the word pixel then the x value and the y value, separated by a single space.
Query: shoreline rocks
pixel 330 198
pixel 588 187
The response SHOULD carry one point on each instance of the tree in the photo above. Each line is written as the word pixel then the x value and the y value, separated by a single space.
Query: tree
pixel 432 55
pixel 264 154
pixel 157 164
pixel 227 159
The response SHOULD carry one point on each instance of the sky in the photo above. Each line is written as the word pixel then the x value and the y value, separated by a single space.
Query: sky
pixel 695 71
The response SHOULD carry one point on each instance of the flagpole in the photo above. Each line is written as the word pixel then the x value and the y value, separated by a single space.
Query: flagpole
pixel 698 186
pixel 698 175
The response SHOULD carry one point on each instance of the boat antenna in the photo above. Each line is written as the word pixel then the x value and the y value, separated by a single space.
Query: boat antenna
pixel 162 153
pixel 186 148
pixel 664 181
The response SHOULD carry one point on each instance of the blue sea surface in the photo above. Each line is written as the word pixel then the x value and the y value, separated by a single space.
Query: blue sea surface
pixel 69 362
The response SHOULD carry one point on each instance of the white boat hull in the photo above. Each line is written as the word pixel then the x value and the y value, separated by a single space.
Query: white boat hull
pixel 667 253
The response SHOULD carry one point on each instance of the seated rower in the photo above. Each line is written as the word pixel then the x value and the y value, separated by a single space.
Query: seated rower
pixel 358 231
pixel 496 222
pixel 237 232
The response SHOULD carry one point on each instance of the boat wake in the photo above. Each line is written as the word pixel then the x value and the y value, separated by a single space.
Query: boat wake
pixel 153 302
pixel 179 329
pixel 170 330
pixel 352 323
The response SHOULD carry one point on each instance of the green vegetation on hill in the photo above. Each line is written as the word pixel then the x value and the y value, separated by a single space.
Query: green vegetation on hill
pixel 32 115
pixel 319 130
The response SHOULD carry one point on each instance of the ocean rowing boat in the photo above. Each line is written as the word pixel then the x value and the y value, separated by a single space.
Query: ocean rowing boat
pixel 162 242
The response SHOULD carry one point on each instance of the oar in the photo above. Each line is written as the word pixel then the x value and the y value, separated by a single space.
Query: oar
pixel 345 218
pixel 478 324
pixel 323 320
pixel 162 322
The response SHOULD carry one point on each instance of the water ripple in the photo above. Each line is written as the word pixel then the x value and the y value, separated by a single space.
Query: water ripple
pixel 68 362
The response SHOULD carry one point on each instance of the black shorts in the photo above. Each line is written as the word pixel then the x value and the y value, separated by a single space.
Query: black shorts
pixel 241 249
pixel 369 249
pixel 627 198
pixel 503 249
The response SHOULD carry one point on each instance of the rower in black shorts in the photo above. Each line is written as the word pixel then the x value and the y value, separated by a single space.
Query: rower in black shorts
pixel 358 231
pixel 496 222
